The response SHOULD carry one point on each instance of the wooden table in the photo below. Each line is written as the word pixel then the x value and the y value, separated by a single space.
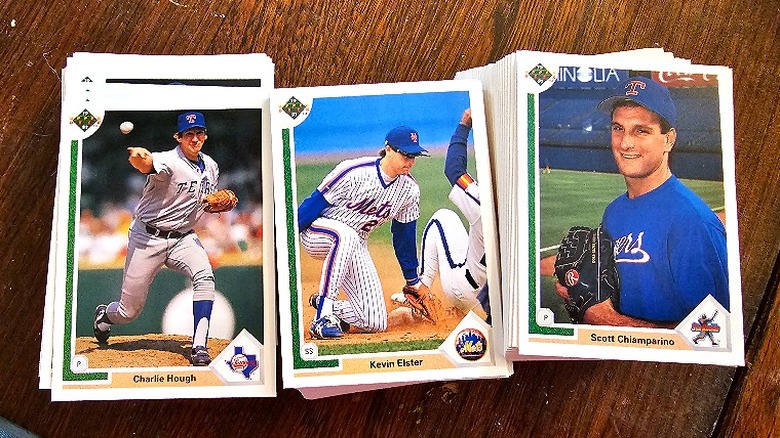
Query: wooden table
pixel 322 42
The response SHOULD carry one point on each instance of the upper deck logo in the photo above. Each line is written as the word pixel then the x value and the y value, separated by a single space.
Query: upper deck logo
pixel 705 327
pixel 540 74
pixel 294 107
pixel 471 344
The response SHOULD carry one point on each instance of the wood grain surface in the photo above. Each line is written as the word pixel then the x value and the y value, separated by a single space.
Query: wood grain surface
pixel 321 42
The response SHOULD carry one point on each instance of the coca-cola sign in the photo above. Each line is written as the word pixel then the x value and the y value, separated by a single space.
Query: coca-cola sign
pixel 677 79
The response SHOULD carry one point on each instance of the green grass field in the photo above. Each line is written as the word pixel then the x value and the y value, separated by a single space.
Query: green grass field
pixel 570 198
pixel 388 347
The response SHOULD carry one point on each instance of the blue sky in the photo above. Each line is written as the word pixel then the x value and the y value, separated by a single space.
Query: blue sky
pixel 359 123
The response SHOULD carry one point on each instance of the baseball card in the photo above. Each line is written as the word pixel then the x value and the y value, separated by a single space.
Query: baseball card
pixel 632 209
pixel 164 281
pixel 386 249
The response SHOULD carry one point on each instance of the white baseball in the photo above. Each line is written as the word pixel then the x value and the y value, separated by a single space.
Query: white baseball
pixel 126 127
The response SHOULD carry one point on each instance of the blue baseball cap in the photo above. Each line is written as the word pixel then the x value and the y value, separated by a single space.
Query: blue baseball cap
pixel 406 140
pixel 648 93
pixel 191 120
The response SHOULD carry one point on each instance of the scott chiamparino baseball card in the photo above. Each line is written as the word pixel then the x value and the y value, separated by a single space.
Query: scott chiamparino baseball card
pixel 387 253
pixel 633 214
pixel 163 283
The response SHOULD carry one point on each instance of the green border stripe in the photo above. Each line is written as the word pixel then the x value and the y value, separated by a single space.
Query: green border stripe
pixel 298 361
pixel 533 327
pixel 67 374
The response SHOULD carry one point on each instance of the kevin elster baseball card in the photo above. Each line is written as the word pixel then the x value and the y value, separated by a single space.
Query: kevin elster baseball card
pixel 386 236
pixel 164 272
pixel 634 213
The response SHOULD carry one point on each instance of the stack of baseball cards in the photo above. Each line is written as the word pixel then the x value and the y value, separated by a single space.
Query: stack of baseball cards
pixel 364 176
pixel 638 146
pixel 152 292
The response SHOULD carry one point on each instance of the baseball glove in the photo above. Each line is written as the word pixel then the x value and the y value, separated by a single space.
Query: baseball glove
pixel 424 302
pixel 219 201
pixel 585 265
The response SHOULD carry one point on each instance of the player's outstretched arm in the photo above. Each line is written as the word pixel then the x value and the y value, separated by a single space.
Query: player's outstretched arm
pixel 457 157
pixel 141 159
pixel 405 246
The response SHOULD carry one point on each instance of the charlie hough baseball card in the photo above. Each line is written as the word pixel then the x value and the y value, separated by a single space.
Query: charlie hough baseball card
pixel 163 282
pixel 387 253
pixel 634 213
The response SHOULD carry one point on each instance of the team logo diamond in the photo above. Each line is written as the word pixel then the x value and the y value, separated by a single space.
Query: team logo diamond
pixel 294 107
pixel 242 363
pixel 540 74
pixel 707 327
pixel 85 120
pixel 471 344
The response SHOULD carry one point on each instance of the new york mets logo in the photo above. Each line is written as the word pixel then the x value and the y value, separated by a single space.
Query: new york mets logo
pixel 471 344
pixel 706 327
pixel 366 206
pixel 191 118
pixel 631 87
pixel 571 277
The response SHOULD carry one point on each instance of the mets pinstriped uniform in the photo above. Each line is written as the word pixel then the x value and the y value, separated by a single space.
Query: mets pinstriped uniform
pixel 458 255
pixel 334 222
pixel 361 199
pixel 162 235
pixel 670 250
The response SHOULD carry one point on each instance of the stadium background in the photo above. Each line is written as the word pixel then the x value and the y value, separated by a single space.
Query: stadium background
pixel 110 190
pixel 577 175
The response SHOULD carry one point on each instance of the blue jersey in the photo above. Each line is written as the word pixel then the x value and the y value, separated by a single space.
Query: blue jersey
pixel 670 250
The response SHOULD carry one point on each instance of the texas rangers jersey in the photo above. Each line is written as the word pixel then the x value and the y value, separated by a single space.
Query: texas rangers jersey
pixel 670 250
pixel 363 197
pixel 465 195
pixel 171 196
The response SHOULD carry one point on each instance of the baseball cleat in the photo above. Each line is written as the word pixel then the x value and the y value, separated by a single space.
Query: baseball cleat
pixel 101 327
pixel 327 327
pixel 314 300
pixel 200 356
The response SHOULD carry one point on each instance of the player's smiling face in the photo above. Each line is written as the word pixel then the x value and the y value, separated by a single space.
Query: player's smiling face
pixel 640 150
pixel 191 142
pixel 397 163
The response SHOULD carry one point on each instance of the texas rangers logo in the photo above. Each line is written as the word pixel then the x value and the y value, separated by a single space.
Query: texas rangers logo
pixel 706 328
pixel 191 118
pixel 471 344
pixel 629 250
pixel 413 136
pixel 571 277
pixel 631 88
pixel 242 363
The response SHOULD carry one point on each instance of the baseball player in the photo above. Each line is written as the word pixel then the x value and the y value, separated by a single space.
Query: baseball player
pixel 334 222
pixel 670 248
pixel 457 255
pixel 162 231
pixel 704 324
